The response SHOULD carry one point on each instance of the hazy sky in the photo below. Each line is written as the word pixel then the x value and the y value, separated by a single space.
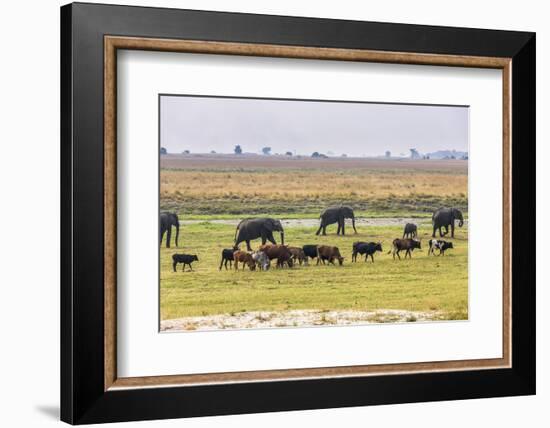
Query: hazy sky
pixel 202 124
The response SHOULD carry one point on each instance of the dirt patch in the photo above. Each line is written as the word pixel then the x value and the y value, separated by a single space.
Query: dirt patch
pixel 249 160
pixel 296 318
pixel 314 222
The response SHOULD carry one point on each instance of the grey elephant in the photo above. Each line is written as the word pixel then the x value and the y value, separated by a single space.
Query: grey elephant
pixel 338 215
pixel 254 228
pixel 445 217
pixel 167 220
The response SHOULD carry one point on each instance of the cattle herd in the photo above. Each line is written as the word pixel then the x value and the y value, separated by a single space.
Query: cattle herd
pixel 289 256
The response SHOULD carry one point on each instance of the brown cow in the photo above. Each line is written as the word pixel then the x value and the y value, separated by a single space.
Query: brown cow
pixel 324 252
pixel 245 258
pixel 279 252
pixel 407 245
pixel 298 255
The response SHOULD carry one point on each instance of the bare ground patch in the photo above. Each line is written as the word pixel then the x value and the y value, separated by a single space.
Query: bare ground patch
pixel 296 318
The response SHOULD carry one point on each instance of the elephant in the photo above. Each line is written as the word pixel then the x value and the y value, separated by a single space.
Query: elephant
pixel 254 228
pixel 445 217
pixel 338 215
pixel 167 220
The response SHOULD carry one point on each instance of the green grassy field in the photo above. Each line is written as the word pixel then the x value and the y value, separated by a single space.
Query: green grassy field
pixel 425 283
pixel 205 188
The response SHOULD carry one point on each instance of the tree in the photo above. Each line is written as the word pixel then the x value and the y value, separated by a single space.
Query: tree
pixel 288 153
pixel 163 151
pixel 344 155
pixel 414 154
pixel 388 154
pixel 238 149
pixel 213 152
pixel 315 155
pixel 186 152
pixel 266 151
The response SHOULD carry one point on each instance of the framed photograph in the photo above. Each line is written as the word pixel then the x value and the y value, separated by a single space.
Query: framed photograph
pixel 265 213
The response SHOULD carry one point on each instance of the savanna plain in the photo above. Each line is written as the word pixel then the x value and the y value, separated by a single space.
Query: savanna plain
pixel 212 193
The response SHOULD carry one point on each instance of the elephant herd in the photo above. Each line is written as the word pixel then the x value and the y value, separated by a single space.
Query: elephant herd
pixel 264 228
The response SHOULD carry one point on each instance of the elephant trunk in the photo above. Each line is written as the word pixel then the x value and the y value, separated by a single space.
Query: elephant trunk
pixel 177 232
pixel 460 223
pixel 282 238
pixel 353 223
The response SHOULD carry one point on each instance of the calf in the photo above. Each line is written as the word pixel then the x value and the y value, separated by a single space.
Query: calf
pixel 324 252
pixel 310 251
pixel 185 259
pixel 261 260
pixel 354 249
pixel 279 252
pixel 442 246
pixel 409 231
pixel 245 258
pixel 298 255
pixel 227 256
pixel 407 245
pixel 368 249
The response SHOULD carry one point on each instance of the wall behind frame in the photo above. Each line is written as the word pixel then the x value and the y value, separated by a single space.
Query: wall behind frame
pixel 29 172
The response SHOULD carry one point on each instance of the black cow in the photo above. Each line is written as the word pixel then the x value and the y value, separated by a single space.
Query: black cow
pixel 366 248
pixel 442 246
pixel 310 251
pixel 185 259
pixel 227 256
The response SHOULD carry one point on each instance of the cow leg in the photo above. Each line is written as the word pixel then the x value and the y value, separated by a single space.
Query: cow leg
pixel 221 263
pixel 183 270
pixel 174 266
pixel 372 257
pixel 190 266
pixel 236 265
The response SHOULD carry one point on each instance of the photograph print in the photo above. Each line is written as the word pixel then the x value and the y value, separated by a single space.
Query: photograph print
pixel 289 213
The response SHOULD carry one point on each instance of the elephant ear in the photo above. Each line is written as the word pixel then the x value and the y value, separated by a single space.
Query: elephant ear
pixel 270 224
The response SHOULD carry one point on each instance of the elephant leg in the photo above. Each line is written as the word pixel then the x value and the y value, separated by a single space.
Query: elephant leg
pixel 319 230
pixel 168 237
pixel 161 235
pixel 343 226
pixel 271 239
pixel 324 230
pixel 453 230
pixel 433 233
pixel 339 228
pixel 248 245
